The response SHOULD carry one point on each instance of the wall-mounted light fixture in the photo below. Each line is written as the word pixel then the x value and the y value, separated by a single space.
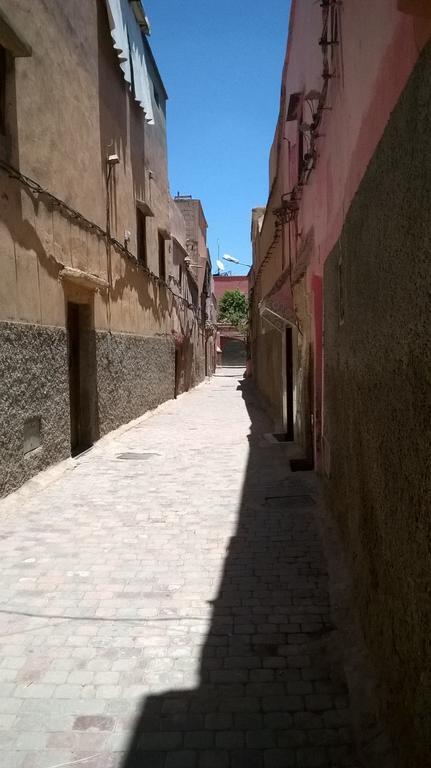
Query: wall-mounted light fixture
pixel 188 263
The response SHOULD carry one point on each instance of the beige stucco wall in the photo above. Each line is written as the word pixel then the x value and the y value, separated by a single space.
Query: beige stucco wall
pixel 68 107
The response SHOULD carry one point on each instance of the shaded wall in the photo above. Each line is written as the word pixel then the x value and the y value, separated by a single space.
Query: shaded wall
pixel 378 406
pixel 33 385
pixel 267 370
pixel 361 94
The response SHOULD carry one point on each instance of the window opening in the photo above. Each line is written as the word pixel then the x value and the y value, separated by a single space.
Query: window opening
pixel 141 229
pixel 162 259
pixel 334 36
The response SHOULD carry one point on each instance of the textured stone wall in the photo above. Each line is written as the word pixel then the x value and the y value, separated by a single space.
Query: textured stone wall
pixel 268 372
pixel 33 384
pixel 134 375
pixel 378 410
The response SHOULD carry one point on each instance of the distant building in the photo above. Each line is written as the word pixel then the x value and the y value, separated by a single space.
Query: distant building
pixel 231 342
pixel 198 262
pixel 224 283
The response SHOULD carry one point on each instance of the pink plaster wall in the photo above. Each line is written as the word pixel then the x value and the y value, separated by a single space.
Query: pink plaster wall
pixel 379 46
pixel 230 283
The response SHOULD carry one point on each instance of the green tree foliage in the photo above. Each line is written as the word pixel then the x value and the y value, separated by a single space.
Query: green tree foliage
pixel 233 308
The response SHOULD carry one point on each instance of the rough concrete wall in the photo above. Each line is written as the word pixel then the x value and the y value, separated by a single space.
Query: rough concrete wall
pixel 33 383
pixel 190 361
pixel 268 373
pixel 303 365
pixel 378 407
pixel 199 363
pixel 134 374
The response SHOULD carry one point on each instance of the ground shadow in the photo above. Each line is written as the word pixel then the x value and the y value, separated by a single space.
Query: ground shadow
pixel 268 697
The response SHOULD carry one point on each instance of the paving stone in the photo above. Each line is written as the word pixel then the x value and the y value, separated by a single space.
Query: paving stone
pixel 311 757
pixel 229 739
pixel 93 723
pixel 318 702
pixel 199 739
pixel 247 758
pixel 31 741
pixel 184 721
pixel 244 721
pixel 197 639
pixel 280 758
pixel 292 738
pixel 278 720
pixel 161 741
pixel 220 720
pixel 181 759
pixel 213 759
pixel 152 759
pixel 261 739
pixel 282 704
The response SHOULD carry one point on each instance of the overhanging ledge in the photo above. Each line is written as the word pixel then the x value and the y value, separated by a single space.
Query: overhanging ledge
pixel 83 279
pixel 277 307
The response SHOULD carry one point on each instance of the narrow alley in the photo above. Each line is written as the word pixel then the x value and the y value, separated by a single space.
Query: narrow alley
pixel 164 601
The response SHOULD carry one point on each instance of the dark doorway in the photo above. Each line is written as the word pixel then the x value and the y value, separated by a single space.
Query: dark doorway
pixel 177 373
pixel 233 352
pixel 162 257
pixel 82 377
pixel 289 385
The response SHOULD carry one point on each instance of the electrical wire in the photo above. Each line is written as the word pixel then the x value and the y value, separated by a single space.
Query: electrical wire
pixel 283 213
pixel 67 210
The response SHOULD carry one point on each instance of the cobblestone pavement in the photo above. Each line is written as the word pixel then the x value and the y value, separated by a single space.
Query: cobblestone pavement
pixel 164 602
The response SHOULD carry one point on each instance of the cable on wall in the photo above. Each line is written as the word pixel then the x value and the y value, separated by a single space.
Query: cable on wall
pixel 289 208
pixel 71 213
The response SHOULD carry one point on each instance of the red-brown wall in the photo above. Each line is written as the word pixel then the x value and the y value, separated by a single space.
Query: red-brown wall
pixel 224 283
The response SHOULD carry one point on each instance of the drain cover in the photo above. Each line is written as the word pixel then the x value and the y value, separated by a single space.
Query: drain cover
pixel 136 456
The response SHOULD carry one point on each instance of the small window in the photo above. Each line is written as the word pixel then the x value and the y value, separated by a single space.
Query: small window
pixel 334 37
pixel 3 64
pixel 300 152
pixel 32 434
pixel 141 232
pixel 162 258
pixel 294 107
pixel 180 276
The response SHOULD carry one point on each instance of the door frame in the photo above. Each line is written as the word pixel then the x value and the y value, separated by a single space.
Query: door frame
pixel 84 429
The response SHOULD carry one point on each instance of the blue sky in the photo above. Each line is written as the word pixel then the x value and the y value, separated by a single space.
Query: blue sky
pixel 221 63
